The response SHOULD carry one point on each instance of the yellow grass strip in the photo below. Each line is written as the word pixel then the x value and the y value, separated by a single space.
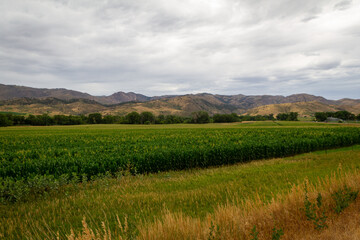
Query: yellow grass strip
pixel 285 212
pixel 237 221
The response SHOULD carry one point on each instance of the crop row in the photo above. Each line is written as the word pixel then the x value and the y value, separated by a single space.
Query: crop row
pixel 32 159
pixel 25 156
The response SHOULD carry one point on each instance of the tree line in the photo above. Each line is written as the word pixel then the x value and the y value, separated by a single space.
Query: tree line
pixel 343 115
pixel 199 117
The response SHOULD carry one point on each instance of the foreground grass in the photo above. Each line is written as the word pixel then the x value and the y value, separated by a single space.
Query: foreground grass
pixel 322 211
pixel 141 200
pixel 36 160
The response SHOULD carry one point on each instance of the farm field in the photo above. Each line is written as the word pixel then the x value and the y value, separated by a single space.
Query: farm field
pixel 53 177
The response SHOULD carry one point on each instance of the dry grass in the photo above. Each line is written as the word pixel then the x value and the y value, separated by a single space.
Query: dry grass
pixel 213 195
pixel 285 212
pixel 102 234
pixel 236 222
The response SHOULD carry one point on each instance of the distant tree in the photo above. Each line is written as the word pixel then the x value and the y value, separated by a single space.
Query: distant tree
pixel 18 120
pixel 330 114
pixel 45 120
pixel 174 119
pixel 5 121
pixel 345 115
pixel 270 116
pixel 260 118
pixel 147 117
pixel 282 116
pixel 224 118
pixel 30 119
pixel 292 116
pixel 61 120
pixel 109 119
pixel 320 116
pixel 200 117
pixel 246 118
pixel 39 120
pixel 76 120
pixel 358 117
pixel 160 119
pixel 133 118
pixel 95 118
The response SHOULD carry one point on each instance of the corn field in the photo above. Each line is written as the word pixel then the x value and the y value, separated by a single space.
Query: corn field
pixel 33 159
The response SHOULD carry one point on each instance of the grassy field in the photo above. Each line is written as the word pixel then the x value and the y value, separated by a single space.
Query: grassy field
pixel 69 153
pixel 139 201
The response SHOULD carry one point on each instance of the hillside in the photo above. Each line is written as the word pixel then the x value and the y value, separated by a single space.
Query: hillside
pixel 305 109
pixel 8 92
pixel 63 101
pixel 305 104
pixel 51 106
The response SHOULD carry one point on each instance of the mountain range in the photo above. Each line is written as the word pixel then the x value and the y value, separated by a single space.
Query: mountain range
pixel 62 101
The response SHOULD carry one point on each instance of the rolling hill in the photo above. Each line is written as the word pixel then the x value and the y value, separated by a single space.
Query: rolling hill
pixel 305 109
pixel 8 92
pixel 63 101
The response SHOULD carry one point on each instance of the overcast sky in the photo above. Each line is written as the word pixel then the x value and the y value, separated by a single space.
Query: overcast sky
pixel 156 47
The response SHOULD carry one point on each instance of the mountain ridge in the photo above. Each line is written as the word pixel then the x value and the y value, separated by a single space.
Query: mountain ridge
pixel 63 101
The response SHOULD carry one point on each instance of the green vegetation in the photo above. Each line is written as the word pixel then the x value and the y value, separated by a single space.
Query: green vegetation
pixel 62 174
pixel 13 113
pixel 223 118
pixel 313 211
pixel 343 115
pixel 257 117
pixel 292 116
pixel 276 233
pixel 142 199
pixel 343 197
pixel 36 161
pixel 200 117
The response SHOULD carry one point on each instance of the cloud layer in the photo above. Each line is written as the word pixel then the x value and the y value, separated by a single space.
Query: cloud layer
pixel 160 47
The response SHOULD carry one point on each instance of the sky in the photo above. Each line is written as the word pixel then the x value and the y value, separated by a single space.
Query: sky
pixel 162 47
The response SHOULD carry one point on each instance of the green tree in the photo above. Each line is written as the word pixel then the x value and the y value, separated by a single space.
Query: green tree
pixel 109 119
pixel 147 117
pixel 160 119
pixel 282 116
pixel 293 116
pixel 133 118
pixel 223 118
pixel 95 118
pixel 344 115
pixel 200 117
pixel 5 121
pixel 320 116
pixel 61 120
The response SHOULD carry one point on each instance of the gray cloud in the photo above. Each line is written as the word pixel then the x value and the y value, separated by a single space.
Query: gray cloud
pixel 174 47
pixel 343 5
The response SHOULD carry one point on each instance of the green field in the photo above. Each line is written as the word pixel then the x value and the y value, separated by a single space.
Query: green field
pixel 39 158
pixel 84 152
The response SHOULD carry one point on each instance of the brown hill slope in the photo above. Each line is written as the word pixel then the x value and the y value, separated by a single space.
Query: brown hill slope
pixel 181 105
pixel 248 102
pixel 63 101
pixel 8 92
pixel 51 106
pixel 239 101
pixel 213 104
pixel 305 109
pixel 11 92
